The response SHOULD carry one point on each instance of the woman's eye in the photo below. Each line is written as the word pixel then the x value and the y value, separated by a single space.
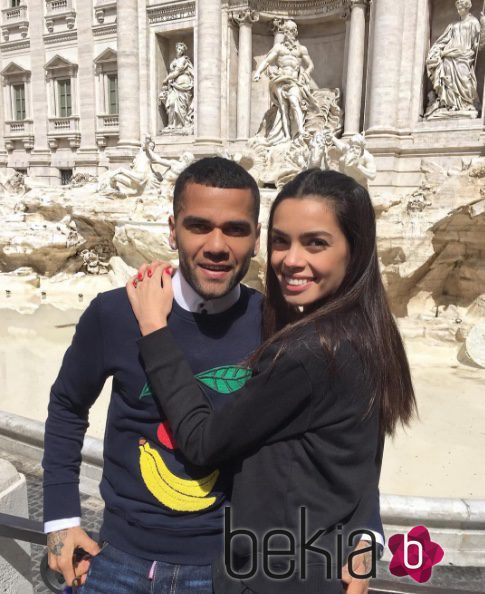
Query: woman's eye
pixel 318 243
pixel 277 241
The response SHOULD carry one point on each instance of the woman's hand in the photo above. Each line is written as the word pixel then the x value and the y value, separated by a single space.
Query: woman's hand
pixel 151 296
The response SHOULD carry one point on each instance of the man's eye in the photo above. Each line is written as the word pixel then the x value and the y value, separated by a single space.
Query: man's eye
pixel 236 231
pixel 199 228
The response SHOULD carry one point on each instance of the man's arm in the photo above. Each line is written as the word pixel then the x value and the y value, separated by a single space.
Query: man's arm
pixel 77 386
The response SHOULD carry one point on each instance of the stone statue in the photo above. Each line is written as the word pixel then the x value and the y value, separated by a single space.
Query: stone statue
pixel 177 94
pixel 92 263
pixel 173 167
pixel 451 65
pixel 355 160
pixel 13 183
pixel 289 69
pixel 299 111
pixel 129 182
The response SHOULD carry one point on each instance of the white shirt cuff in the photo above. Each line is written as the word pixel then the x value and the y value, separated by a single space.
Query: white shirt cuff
pixel 55 525
pixel 378 536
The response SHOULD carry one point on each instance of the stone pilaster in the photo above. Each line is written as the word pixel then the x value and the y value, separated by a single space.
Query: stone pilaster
pixel 209 64
pixel 3 153
pixel 40 157
pixel 87 94
pixel 385 66
pixel 355 67
pixel 128 67
pixel 245 20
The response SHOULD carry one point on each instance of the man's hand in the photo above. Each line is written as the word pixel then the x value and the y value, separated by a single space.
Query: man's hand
pixel 361 565
pixel 61 546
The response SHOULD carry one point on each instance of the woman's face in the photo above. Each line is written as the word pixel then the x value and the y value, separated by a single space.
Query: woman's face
pixel 462 9
pixel 310 254
pixel 180 49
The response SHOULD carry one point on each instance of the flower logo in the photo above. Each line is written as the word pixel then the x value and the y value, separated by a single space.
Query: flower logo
pixel 414 554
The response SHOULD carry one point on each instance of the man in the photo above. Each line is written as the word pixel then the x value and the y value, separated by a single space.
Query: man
pixel 163 517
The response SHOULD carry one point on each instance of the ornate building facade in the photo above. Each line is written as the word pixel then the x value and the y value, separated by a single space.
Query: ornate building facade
pixel 85 80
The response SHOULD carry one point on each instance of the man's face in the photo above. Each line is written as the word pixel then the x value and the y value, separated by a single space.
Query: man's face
pixel 216 236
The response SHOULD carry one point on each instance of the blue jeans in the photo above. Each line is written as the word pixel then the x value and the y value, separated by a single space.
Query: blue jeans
pixel 114 572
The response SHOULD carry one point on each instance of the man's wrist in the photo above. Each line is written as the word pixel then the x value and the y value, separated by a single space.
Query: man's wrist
pixel 61 524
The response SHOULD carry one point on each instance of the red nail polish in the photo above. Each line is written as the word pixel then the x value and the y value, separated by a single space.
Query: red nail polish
pixel 135 283
pixel 140 276
pixel 149 273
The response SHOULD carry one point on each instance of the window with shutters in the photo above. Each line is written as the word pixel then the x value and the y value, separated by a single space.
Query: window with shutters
pixel 64 97
pixel 112 93
pixel 19 100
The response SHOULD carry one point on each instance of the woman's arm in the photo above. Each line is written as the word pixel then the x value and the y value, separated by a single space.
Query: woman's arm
pixel 275 399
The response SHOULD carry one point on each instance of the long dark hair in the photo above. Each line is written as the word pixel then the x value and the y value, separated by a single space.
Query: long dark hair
pixel 358 311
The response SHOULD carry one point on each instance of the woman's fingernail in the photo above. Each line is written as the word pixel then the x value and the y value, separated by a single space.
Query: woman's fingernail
pixel 140 276
pixel 169 270
pixel 149 273
pixel 135 282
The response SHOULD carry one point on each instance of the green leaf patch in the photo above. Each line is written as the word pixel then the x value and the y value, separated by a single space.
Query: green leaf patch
pixel 225 380
pixel 146 392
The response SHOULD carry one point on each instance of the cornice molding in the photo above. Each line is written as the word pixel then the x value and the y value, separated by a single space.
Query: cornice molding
pixel 174 12
pixel 13 46
pixel 293 8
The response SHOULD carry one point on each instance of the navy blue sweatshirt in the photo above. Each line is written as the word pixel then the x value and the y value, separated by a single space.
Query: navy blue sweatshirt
pixel 158 505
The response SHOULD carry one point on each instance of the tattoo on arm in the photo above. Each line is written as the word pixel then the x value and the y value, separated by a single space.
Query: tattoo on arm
pixel 55 542
pixel 367 562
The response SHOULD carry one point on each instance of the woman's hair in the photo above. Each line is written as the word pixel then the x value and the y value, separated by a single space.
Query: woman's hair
pixel 358 311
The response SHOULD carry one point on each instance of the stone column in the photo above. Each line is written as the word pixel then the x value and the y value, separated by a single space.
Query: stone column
pixel 355 67
pixel 87 157
pixel 128 67
pixel 385 68
pixel 209 64
pixel 245 20
pixel 40 157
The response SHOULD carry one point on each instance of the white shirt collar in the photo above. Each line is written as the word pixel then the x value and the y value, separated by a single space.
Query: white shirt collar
pixel 190 300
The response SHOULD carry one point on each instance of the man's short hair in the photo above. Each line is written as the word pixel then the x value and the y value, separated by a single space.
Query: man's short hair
pixel 215 172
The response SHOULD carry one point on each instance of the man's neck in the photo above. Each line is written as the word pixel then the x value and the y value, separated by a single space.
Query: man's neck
pixel 188 298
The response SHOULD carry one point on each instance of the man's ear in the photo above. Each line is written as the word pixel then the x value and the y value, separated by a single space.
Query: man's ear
pixel 172 240
pixel 258 238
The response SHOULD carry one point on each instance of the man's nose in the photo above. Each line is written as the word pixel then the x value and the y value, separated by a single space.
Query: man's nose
pixel 216 244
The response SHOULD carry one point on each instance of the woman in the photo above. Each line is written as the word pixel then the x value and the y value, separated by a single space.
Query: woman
pixel 330 379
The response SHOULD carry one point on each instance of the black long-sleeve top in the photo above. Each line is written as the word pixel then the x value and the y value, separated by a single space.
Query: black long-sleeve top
pixel 299 437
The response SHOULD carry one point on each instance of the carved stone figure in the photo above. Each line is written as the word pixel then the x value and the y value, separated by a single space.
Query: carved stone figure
pixel 13 183
pixel 299 111
pixel 289 69
pixel 80 179
pixel 92 262
pixel 451 65
pixel 132 181
pixel 355 160
pixel 173 167
pixel 177 94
